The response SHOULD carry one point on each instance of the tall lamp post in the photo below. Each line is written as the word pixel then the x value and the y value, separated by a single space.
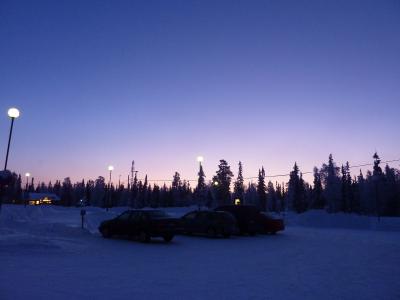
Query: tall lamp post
pixel 200 159
pixel 13 113
pixel 27 175
pixel 110 169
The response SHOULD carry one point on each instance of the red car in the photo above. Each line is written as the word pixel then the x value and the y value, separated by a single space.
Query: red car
pixel 270 224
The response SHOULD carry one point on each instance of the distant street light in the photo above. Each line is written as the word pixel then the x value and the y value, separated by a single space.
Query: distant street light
pixel 200 159
pixel 27 175
pixel 13 113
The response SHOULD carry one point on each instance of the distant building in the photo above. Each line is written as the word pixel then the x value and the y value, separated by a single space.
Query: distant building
pixel 42 198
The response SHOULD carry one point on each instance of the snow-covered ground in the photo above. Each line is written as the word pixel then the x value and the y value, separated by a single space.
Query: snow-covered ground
pixel 44 254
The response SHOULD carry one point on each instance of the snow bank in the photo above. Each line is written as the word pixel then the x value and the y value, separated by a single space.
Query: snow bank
pixel 322 219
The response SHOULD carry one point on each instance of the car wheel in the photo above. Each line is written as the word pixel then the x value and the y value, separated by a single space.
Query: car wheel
pixel 144 237
pixel 106 233
pixel 168 238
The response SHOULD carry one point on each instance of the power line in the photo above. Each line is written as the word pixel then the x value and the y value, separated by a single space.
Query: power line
pixel 274 176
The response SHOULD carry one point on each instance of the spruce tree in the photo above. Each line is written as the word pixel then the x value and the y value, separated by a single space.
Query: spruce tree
pixel 317 201
pixel 200 193
pixel 377 182
pixel 272 197
pixel 391 206
pixel 176 189
pixel 261 190
pixel 296 191
pixel 222 182
pixel 238 189
pixel 331 180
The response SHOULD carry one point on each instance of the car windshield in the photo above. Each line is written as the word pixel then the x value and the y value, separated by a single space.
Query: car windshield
pixel 157 214
pixel 270 215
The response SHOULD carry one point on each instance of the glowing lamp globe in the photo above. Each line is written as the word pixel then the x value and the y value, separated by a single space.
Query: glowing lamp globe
pixel 13 113
pixel 110 168
pixel 200 158
pixel 27 174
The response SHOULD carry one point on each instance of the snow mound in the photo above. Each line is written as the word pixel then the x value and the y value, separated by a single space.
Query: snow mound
pixel 322 219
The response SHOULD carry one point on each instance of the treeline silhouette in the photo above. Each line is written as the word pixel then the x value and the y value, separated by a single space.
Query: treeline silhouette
pixel 333 188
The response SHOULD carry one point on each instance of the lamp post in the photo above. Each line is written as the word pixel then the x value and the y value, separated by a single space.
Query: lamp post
pixel 27 175
pixel 110 169
pixel 13 113
pixel 200 159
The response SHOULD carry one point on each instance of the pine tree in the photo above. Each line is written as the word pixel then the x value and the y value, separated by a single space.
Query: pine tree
pixel 201 182
pixel 331 180
pixel 303 191
pixel 66 192
pixel 377 182
pixel 134 191
pixel 176 189
pixel 392 193
pixel 261 190
pixel 296 191
pixel 200 193
pixel 238 189
pixel 347 189
pixel 272 197
pixel 317 199
pixel 222 182
pixel 155 197
pixel 89 191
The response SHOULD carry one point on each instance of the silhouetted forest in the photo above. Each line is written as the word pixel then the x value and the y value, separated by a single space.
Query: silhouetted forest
pixel 334 188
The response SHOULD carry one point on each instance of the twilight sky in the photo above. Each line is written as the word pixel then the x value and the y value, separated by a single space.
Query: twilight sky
pixel 265 82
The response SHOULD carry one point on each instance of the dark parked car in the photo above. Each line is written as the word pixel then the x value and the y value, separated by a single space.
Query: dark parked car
pixel 211 223
pixel 143 224
pixel 270 224
pixel 251 220
pixel 246 217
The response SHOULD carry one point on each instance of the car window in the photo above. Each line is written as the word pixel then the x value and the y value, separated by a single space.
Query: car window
pixel 135 216
pixel 124 216
pixel 203 215
pixel 157 214
pixel 190 216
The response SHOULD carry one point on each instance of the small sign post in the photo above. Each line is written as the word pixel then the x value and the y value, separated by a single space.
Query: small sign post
pixel 83 213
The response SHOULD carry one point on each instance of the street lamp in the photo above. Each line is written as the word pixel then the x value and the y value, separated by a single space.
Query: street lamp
pixel 13 113
pixel 200 159
pixel 27 175
pixel 110 168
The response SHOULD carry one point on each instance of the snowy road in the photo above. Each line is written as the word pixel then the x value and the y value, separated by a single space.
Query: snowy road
pixel 301 263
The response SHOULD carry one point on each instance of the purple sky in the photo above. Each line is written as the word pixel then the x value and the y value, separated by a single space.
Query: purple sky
pixel 265 82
